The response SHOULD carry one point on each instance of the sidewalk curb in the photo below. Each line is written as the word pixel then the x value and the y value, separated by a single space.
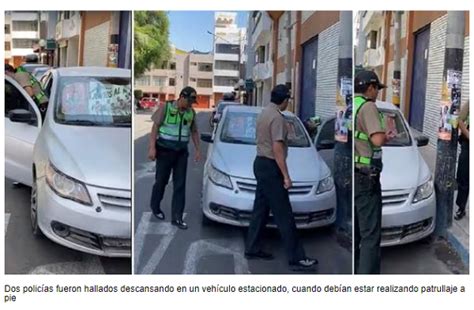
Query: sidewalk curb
pixel 462 251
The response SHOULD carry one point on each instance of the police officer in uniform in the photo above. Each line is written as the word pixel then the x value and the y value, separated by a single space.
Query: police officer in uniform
pixel 462 175
pixel 369 135
pixel 174 124
pixel 273 182
pixel 30 84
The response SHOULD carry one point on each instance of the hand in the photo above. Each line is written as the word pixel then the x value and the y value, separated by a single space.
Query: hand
pixel 197 156
pixel 287 184
pixel 152 153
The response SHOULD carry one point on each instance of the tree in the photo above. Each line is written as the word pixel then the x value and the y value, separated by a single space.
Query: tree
pixel 151 39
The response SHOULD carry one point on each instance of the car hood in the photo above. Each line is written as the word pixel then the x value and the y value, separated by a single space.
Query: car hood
pixel 99 156
pixel 403 168
pixel 304 164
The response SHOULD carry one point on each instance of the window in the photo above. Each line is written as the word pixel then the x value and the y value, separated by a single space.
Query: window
pixel 24 43
pixel 205 83
pixel 173 66
pixel 14 99
pixel 227 49
pixel 205 67
pixel 226 65
pixel 142 81
pixel 372 40
pixel 192 79
pixel 194 64
pixel 172 82
pixel 25 25
pixel 7 46
pixel 260 54
pixel 7 29
pixel 159 81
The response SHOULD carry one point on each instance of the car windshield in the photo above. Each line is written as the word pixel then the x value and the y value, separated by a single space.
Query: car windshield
pixel 94 101
pixel 395 128
pixel 239 128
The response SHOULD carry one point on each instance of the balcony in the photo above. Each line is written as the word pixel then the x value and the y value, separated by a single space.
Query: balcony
pixel 373 57
pixel 25 35
pixel 229 73
pixel 262 34
pixel 223 89
pixel 263 71
pixel 227 57
pixel 372 20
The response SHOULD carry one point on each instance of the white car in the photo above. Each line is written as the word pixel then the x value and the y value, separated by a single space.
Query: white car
pixel 77 159
pixel 229 183
pixel 408 197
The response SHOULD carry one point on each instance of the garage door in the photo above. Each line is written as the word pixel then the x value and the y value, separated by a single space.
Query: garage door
pixel 202 102
pixel 95 45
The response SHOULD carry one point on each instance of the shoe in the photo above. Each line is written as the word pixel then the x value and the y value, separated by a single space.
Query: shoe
pixel 180 224
pixel 459 215
pixel 159 215
pixel 259 255
pixel 305 264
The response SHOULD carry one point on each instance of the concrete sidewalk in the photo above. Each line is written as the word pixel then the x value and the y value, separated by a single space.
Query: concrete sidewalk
pixel 458 234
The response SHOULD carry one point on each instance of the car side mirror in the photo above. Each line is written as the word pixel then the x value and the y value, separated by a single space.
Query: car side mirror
pixel 21 116
pixel 325 145
pixel 207 137
pixel 422 140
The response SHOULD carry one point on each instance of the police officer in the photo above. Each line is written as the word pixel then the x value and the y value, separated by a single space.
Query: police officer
pixel 462 175
pixel 273 182
pixel 369 135
pixel 174 124
pixel 30 84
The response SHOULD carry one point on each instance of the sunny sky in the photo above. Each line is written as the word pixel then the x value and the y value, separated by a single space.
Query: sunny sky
pixel 188 30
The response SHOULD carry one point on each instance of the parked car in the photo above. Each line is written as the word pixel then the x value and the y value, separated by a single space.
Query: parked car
pixel 77 160
pixel 229 184
pixel 30 67
pixel 38 72
pixel 216 113
pixel 148 102
pixel 408 197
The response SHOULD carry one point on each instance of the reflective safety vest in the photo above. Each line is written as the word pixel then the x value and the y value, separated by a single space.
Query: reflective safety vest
pixel 40 98
pixel 375 161
pixel 175 130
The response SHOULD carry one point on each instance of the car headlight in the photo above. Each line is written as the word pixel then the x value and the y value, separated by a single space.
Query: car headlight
pixel 424 191
pixel 219 178
pixel 66 186
pixel 325 185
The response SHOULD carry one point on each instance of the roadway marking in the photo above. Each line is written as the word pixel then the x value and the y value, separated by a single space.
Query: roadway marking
pixel 202 248
pixel 7 220
pixel 89 265
pixel 149 227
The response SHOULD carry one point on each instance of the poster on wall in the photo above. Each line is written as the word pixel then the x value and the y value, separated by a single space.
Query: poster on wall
pixel 450 104
pixel 112 55
pixel 343 110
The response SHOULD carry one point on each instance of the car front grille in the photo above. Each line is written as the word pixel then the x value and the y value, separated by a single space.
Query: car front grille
pixel 115 201
pixel 251 187
pixel 398 233
pixel 393 198
pixel 245 216
pixel 91 240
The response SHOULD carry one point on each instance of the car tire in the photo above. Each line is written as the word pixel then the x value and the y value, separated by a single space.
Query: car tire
pixel 34 209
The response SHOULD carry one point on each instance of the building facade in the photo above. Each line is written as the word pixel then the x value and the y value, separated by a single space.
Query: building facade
pixel 422 49
pixel 22 34
pixel 228 42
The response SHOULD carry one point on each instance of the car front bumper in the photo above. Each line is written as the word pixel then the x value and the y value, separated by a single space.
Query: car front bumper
pixel 102 229
pixel 234 207
pixel 404 221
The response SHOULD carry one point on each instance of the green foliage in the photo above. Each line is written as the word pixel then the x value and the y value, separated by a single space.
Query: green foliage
pixel 151 39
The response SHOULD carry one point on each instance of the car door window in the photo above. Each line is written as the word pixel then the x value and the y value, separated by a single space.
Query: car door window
pixel 327 131
pixel 46 83
pixel 14 99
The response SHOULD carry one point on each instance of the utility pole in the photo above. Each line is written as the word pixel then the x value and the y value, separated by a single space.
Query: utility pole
pixel 343 149
pixel 288 49
pixel 447 141
pixel 396 61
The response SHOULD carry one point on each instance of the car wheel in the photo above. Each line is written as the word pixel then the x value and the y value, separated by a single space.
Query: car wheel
pixel 34 209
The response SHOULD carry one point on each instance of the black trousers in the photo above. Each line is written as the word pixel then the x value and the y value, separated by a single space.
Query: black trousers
pixel 168 161
pixel 462 176
pixel 272 195
pixel 368 223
